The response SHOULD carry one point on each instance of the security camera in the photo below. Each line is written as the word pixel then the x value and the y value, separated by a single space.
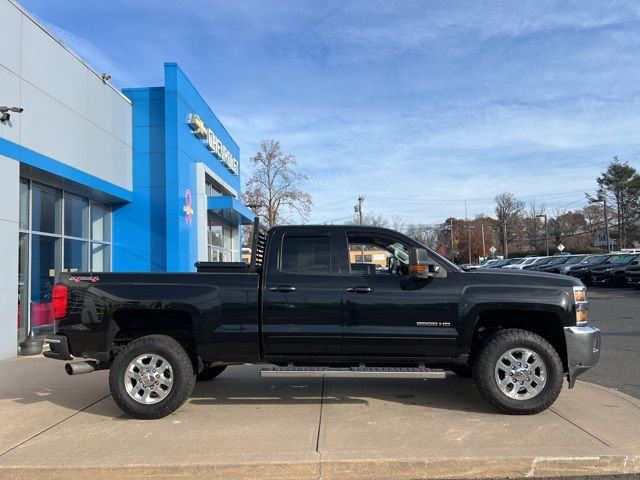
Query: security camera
pixel 5 115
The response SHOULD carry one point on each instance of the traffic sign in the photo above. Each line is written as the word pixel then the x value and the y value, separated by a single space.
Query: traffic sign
pixel 493 249
pixel 561 247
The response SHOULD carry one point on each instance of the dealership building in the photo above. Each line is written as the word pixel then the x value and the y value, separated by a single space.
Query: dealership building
pixel 97 179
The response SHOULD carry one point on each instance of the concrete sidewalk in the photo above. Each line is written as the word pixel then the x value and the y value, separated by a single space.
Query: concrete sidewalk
pixel 241 426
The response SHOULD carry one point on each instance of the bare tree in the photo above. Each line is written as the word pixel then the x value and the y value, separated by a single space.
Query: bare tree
pixel 370 219
pixel 426 235
pixel 533 227
pixel 397 224
pixel 509 211
pixel 273 190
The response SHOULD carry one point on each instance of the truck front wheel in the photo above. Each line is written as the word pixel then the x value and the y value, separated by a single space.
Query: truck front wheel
pixel 518 372
pixel 151 377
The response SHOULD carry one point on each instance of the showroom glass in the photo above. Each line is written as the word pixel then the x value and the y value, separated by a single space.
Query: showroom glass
pixel 75 216
pixel 220 242
pixel 45 209
pixel 307 255
pixel 59 232
pixel 24 204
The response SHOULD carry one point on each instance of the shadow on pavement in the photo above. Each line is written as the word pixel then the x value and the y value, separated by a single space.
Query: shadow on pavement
pixel 453 393
pixel 36 384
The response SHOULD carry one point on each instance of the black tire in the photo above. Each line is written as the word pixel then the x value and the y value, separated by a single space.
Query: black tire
pixel 209 373
pixel 484 371
pixel 182 374
pixel 620 281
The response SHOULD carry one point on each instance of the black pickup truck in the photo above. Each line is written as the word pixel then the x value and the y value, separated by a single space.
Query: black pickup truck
pixel 303 308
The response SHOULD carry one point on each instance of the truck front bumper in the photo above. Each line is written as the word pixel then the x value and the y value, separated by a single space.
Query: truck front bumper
pixel 583 350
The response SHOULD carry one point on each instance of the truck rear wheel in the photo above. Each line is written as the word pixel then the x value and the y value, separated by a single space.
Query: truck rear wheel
pixel 209 373
pixel 151 377
pixel 518 372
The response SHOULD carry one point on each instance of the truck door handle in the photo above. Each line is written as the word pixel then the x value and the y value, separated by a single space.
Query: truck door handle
pixel 282 289
pixel 360 289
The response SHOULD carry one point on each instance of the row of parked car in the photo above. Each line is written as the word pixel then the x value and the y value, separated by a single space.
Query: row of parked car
pixel 616 269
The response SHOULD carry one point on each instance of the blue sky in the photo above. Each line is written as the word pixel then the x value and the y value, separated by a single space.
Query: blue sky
pixel 417 105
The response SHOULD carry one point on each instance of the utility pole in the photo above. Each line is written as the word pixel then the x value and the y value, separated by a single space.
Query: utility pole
pixel 359 207
pixel 484 252
pixel 453 252
pixel 606 225
pixel 504 239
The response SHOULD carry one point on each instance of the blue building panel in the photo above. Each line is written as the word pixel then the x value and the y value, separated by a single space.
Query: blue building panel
pixel 159 229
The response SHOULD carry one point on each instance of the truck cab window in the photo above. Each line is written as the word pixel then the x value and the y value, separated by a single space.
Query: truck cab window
pixel 377 255
pixel 306 255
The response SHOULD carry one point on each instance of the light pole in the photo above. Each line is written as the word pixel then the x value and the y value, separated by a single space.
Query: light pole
pixel 546 230
pixel 504 239
pixel 359 209
pixel 603 199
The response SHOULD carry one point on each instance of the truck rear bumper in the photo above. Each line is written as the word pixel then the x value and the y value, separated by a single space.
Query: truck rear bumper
pixel 583 350
pixel 59 347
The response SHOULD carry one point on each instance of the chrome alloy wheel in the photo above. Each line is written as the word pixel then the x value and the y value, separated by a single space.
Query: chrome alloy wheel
pixel 148 378
pixel 520 373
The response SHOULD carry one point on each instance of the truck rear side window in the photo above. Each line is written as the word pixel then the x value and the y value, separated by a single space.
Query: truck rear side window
pixel 306 255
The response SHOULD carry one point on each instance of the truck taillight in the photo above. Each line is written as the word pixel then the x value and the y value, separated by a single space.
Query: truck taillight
pixel 59 301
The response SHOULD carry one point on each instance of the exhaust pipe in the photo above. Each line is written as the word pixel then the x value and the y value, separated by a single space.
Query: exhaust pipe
pixel 76 368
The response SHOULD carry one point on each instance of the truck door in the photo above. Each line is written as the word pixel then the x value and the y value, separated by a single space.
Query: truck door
pixel 302 298
pixel 389 314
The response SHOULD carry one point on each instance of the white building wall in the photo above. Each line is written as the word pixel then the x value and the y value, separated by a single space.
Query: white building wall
pixel 69 115
pixel 10 186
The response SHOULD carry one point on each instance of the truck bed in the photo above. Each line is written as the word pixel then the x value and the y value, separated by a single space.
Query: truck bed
pixel 219 309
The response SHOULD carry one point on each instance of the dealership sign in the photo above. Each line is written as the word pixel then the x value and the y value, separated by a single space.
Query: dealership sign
pixel 213 143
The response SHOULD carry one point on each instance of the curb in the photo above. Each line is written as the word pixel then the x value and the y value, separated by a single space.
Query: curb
pixel 452 468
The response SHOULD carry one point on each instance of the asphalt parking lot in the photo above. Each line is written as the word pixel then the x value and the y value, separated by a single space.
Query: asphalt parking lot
pixel 616 312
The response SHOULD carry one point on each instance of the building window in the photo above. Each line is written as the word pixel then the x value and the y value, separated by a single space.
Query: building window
pixel 215 189
pixel 59 232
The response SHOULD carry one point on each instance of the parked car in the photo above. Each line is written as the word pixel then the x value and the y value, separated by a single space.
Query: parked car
pixel 538 263
pixel 613 272
pixel 556 262
pixel 633 276
pixel 299 307
pixel 583 270
pixel 500 263
pixel 490 263
pixel 564 267
pixel 522 263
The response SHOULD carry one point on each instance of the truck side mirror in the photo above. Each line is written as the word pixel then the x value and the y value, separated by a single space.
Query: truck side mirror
pixel 420 265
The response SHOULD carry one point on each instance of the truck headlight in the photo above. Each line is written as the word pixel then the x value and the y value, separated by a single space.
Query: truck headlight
pixel 582 305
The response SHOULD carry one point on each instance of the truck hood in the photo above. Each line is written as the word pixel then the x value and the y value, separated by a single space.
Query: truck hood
pixel 524 277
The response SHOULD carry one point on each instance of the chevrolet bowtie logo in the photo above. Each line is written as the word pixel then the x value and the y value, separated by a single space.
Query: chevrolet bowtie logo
pixel 197 125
